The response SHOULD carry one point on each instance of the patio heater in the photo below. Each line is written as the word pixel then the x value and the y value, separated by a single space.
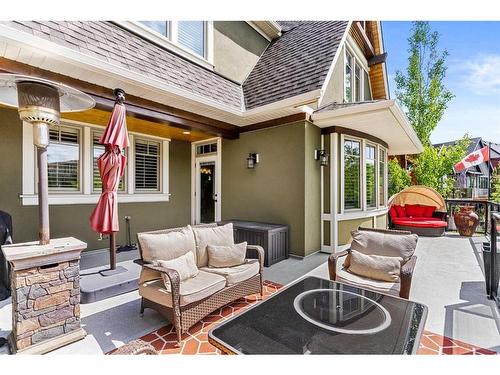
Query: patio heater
pixel 40 102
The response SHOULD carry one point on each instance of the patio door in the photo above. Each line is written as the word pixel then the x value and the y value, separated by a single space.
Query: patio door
pixel 206 178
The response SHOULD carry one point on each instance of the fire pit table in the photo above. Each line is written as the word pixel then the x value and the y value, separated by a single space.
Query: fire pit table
pixel 319 316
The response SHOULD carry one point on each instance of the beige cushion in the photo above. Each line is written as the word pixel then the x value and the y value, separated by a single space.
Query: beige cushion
pixel 218 236
pixel 226 256
pixel 375 267
pixel 194 289
pixel 166 246
pixel 185 266
pixel 236 274
pixel 386 287
pixel 385 244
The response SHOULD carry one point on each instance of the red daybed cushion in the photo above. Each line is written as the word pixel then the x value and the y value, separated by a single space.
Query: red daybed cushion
pixel 400 211
pixel 429 211
pixel 393 213
pixel 420 223
pixel 414 210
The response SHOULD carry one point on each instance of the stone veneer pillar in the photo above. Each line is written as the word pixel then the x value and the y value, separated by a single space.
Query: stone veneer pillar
pixel 45 283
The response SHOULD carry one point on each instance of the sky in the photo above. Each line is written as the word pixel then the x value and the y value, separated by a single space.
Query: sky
pixel 473 75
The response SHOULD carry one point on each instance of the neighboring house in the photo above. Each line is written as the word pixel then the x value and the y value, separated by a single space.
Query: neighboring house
pixel 473 182
pixel 201 97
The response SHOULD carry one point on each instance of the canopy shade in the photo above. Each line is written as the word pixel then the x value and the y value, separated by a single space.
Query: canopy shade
pixel 419 194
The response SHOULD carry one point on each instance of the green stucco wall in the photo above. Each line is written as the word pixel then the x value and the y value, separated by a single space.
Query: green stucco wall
pixel 237 47
pixel 381 221
pixel 72 220
pixel 346 226
pixel 279 189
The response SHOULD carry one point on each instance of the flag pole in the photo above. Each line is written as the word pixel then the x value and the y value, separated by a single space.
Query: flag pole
pixel 489 170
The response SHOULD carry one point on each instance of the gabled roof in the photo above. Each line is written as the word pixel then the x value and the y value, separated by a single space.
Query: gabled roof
pixel 295 63
pixel 475 144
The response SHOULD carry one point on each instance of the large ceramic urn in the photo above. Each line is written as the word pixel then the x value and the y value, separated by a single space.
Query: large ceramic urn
pixel 466 220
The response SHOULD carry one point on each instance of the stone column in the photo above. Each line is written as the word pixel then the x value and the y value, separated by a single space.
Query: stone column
pixel 45 284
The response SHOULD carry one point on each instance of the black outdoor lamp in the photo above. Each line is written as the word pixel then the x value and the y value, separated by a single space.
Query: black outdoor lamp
pixel 40 103
pixel 252 159
pixel 322 156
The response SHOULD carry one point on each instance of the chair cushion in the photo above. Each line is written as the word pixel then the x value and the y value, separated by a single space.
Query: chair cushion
pixel 429 211
pixel 236 274
pixel 414 210
pixel 376 267
pixel 166 246
pixel 218 236
pixel 194 289
pixel 185 265
pixel 386 287
pixel 384 243
pixel 226 256
pixel 400 210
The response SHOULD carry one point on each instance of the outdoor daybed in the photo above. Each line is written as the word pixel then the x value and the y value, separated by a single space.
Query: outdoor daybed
pixel 185 301
pixel 420 210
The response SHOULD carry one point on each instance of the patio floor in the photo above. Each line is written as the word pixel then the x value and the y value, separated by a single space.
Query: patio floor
pixel 448 279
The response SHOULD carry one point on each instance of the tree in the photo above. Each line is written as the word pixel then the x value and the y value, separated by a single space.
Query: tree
pixel 424 97
pixel 495 186
pixel 398 177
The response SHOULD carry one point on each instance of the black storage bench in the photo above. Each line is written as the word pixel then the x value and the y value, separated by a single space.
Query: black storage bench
pixel 272 237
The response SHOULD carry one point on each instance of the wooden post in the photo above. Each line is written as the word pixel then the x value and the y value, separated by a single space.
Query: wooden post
pixel 43 197
pixel 112 251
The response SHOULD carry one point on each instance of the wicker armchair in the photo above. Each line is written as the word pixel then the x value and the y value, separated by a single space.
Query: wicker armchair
pixel 170 303
pixel 401 289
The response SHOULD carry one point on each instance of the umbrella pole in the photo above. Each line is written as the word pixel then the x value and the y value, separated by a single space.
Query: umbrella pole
pixel 112 251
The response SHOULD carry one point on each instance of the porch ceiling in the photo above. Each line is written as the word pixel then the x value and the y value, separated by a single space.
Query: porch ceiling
pixel 382 119
pixel 137 125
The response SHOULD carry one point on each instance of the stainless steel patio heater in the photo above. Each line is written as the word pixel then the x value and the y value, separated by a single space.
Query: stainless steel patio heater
pixel 41 102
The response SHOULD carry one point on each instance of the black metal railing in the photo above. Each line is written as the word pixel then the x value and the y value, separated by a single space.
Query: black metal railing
pixel 482 207
pixel 491 258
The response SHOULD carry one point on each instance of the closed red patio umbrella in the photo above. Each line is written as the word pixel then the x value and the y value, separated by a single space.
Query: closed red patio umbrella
pixel 111 165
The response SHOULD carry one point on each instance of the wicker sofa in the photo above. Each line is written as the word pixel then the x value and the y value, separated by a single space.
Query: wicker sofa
pixel 185 303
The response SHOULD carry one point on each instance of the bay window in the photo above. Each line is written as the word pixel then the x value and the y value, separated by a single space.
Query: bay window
pixel 63 158
pixel 352 174
pixel 371 176
pixel 381 179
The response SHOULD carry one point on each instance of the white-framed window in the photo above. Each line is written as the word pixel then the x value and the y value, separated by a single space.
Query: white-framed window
pixel 363 177
pixel 371 175
pixel 190 39
pixel 73 174
pixel 352 174
pixel 356 78
pixel 64 159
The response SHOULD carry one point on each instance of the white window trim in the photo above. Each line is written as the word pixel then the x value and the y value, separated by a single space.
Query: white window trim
pixel 171 43
pixel 29 196
pixel 360 60
pixel 364 211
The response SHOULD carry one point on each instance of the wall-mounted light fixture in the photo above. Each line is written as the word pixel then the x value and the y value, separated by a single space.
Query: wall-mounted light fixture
pixel 322 156
pixel 252 159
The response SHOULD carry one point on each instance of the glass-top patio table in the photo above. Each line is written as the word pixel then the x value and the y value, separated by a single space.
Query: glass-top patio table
pixel 318 316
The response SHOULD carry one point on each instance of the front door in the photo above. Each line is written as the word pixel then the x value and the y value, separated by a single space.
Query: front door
pixel 208 194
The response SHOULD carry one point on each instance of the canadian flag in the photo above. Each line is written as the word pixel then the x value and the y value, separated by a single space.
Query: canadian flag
pixel 474 158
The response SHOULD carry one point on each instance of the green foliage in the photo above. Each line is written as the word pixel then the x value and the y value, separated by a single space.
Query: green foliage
pixel 434 166
pixel 398 177
pixel 495 186
pixel 421 90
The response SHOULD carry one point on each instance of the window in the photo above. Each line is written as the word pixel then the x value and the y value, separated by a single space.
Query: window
pixel 98 150
pixel 206 149
pixel 160 27
pixel 147 165
pixel 352 174
pixel 349 61
pixel 63 157
pixel 191 34
pixel 356 80
pixel 370 165
pixel 381 179
pixel 483 182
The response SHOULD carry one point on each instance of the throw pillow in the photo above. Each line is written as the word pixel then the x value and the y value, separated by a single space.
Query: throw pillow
pixel 166 246
pixel 392 244
pixel 376 267
pixel 218 236
pixel 415 210
pixel 400 210
pixel 429 211
pixel 393 213
pixel 226 256
pixel 185 266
